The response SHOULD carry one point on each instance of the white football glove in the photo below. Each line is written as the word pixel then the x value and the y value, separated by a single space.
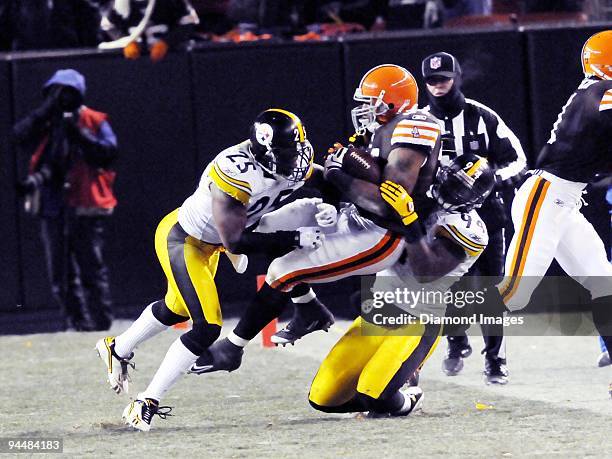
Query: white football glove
pixel 311 237
pixel 334 157
pixel 327 215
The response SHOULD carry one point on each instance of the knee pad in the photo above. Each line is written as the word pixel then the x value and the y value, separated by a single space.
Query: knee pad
pixel 166 316
pixel 200 337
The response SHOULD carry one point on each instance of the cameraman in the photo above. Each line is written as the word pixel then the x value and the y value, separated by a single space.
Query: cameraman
pixel 70 187
pixel 469 126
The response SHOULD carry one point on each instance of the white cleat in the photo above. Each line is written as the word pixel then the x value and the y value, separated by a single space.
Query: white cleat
pixel 413 394
pixel 117 367
pixel 139 414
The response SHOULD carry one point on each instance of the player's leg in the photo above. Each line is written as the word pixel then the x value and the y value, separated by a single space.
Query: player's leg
pixel 190 266
pixel 334 388
pixel 582 255
pixel 489 272
pixel 116 352
pixel 307 307
pixel 539 224
pixel 402 352
pixel 351 250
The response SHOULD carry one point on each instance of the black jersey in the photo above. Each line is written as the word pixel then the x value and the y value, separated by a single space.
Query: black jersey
pixel 579 144
pixel 418 131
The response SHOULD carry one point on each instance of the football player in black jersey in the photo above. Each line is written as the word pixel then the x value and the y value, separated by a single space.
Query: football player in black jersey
pixel 546 210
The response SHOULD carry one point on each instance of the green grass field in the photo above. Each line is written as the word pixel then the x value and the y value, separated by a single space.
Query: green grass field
pixel 556 405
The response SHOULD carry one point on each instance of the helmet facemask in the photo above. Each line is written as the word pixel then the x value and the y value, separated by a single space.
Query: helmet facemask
pixel 365 115
pixel 456 191
pixel 292 164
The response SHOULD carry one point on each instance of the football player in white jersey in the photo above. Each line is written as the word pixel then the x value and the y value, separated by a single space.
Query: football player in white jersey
pixel 242 184
pixel 405 142
pixel 366 368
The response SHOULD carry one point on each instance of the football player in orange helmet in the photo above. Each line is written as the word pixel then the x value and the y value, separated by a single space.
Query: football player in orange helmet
pixel 546 213
pixel 385 91
pixel 597 56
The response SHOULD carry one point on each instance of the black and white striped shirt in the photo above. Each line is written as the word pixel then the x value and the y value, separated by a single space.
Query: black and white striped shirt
pixel 481 131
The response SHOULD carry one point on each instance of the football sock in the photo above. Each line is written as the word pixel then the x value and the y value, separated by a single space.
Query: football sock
pixel 143 328
pixel 177 361
pixel 602 317
pixel 302 298
pixel 237 340
pixel 395 404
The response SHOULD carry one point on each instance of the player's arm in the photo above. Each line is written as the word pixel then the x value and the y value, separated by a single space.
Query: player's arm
pixel 230 217
pixel 403 166
pixel 429 260
pixel 316 181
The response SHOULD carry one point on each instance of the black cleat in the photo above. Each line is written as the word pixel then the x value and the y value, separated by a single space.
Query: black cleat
pixel 495 371
pixel 604 359
pixel 223 355
pixel 307 318
pixel 457 351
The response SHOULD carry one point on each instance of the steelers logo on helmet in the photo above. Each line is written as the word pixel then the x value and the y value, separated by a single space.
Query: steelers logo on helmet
pixel 264 134
pixel 279 144
pixel 464 184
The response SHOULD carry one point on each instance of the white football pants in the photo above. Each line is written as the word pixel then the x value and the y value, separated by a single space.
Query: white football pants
pixel 548 225
pixel 356 246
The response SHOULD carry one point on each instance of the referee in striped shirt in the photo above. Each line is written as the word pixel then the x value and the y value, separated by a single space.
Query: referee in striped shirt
pixel 470 126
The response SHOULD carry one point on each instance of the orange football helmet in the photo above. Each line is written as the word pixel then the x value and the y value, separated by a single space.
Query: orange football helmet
pixel 385 91
pixel 597 55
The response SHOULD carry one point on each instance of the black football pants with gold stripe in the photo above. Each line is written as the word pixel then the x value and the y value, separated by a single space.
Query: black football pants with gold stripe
pixel 549 225
pixel 190 266
pixel 366 368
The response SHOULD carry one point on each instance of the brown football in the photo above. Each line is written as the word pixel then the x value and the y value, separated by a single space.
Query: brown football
pixel 360 164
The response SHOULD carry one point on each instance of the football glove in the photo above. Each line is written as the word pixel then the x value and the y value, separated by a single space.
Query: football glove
pixel 397 197
pixel 310 237
pixel 334 158
pixel 327 215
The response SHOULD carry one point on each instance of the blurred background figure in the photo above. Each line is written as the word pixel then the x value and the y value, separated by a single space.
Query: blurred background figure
pixel 70 187
pixel 44 24
pixel 170 24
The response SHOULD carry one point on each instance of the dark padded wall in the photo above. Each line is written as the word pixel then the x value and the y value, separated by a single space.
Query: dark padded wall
pixel 150 111
pixel 9 261
pixel 493 66
pixel 554 73
pixel 232 85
